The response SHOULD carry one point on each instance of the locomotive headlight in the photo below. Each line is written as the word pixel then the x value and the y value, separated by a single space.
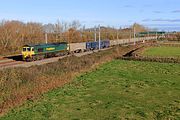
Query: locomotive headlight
pixel 68 47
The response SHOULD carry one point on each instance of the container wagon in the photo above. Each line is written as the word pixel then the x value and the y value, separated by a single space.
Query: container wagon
pixel 77 47
pixel 95 45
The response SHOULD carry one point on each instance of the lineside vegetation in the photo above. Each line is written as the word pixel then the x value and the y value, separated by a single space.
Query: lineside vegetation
pixel 20 84
pixel 116 90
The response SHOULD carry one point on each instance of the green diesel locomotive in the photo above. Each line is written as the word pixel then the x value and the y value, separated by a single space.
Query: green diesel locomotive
pixel 41 51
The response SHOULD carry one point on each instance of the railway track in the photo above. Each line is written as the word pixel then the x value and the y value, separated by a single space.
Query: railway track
pixel 10 63
pixel 7 63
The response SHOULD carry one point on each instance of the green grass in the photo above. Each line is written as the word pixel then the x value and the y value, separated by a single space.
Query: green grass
pixel 117 90
pixel 163 51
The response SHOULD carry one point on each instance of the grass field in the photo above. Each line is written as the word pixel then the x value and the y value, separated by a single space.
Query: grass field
pixel 116 90
pixel 163 51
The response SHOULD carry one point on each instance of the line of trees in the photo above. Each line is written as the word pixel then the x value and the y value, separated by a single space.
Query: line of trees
pixel 15 34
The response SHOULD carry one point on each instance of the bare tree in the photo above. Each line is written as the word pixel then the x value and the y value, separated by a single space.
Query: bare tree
pixel 75 25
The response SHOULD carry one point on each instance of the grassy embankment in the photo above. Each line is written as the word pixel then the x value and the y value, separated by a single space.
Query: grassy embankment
pixel 116 90
pixel 162 51
pixel 21 84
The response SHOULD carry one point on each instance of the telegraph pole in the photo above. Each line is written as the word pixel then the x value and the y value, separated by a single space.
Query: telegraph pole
pixel 99 37
pixel 130 35
pixel 134 35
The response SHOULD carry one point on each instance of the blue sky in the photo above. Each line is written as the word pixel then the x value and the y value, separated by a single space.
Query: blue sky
pixel 154 13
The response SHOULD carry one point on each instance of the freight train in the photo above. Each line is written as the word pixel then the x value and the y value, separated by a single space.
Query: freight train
pixel 41 51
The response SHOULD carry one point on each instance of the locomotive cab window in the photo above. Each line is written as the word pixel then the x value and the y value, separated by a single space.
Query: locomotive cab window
pixel 28 49
pixel 32 49
pixel 24 49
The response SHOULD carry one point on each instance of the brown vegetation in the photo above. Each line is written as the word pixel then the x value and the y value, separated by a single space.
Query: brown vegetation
pixel 154 59
pixel 15 34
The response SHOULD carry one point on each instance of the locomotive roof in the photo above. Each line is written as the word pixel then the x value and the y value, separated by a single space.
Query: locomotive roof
pixel 44 44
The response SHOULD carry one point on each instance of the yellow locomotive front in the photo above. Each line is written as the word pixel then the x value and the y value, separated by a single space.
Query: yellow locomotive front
pixel 27 52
